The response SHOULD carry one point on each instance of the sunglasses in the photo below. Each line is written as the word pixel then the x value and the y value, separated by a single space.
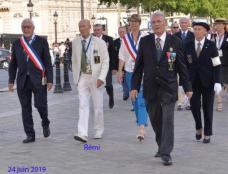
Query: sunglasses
pixel 175 27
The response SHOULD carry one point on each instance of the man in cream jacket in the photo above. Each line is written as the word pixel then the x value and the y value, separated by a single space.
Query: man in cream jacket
pixel 90 63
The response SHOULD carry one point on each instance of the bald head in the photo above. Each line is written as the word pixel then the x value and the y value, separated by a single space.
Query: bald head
pixel 122 31
pixel 84 27
pixel 84 21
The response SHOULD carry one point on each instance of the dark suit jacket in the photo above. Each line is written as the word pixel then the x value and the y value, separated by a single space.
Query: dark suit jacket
pixel 224 48
pixel 117 43
pixel 201 69
pixel 190 36
pixel 160 84
pixel 20 67
pixel 111 51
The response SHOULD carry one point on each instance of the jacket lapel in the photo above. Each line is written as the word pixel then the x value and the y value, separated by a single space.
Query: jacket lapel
pixel 193 50
pixel 153 47
pixel 224 40
pixel 205 47
pixel 166 47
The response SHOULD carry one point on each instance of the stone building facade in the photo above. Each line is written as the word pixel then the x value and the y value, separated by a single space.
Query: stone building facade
pixel 12 12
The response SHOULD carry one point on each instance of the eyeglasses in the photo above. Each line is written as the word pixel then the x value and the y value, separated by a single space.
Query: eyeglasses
pixel 175 27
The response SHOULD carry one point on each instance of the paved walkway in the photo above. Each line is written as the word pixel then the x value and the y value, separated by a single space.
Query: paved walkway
pixel 119 152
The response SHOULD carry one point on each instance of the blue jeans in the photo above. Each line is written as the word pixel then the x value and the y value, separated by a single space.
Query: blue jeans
pixel 139 103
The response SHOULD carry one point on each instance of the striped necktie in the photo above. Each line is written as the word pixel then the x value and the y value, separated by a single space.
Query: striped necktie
pixel 158 48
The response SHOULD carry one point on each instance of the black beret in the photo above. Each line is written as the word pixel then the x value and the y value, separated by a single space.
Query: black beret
pixel 203 24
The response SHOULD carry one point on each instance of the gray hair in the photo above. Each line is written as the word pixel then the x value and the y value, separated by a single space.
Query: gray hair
pixel 158 13
pixel 84 21
pixel 27 21
pixel 184 19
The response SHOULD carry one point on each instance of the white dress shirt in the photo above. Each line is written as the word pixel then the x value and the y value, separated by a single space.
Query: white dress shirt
pixel 186 32
pixel 202 43
pixel 219 40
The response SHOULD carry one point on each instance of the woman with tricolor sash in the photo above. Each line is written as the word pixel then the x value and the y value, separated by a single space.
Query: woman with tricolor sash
pixel 127 58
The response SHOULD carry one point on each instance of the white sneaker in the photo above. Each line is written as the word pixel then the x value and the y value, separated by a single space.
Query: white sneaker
pixel 98 136
pixel 81 138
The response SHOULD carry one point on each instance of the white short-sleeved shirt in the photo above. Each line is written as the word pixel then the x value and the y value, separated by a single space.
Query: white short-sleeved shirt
pixel 125 56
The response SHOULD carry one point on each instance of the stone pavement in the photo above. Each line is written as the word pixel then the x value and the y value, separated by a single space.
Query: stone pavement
pixel 3 80
pixel 119 152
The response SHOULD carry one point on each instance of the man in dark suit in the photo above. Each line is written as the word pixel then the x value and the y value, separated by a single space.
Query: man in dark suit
pixel 186 36
pixel 31 79
pixel 160 58
pixel 204 68
pixel 221 40
pixel 98 31
pixel 117 42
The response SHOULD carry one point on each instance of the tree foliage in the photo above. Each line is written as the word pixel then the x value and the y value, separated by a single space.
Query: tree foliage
pixel 202 8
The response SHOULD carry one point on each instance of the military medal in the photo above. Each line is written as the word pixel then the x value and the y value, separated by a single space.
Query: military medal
pixel 171 56
pixel 189 58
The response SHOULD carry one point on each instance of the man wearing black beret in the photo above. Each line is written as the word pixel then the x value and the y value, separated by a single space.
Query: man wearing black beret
pixel 204 68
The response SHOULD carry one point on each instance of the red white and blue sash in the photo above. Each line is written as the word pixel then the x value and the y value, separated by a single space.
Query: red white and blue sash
pixel 32 55
pixel 131 47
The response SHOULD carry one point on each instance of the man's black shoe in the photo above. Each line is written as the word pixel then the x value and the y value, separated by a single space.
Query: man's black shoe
pixel 46 132
pixel 29 140
pixel 167 160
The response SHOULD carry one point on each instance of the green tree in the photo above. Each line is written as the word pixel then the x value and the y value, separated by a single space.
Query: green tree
pixel 202 8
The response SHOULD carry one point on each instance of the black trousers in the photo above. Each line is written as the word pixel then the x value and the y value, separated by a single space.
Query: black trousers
pixel 207 95
pixel 162 121
pixel 109 87
pixel 40 102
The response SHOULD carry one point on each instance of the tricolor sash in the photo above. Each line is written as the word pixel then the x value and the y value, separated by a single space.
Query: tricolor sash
pixel 32 55
pixel 131 47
